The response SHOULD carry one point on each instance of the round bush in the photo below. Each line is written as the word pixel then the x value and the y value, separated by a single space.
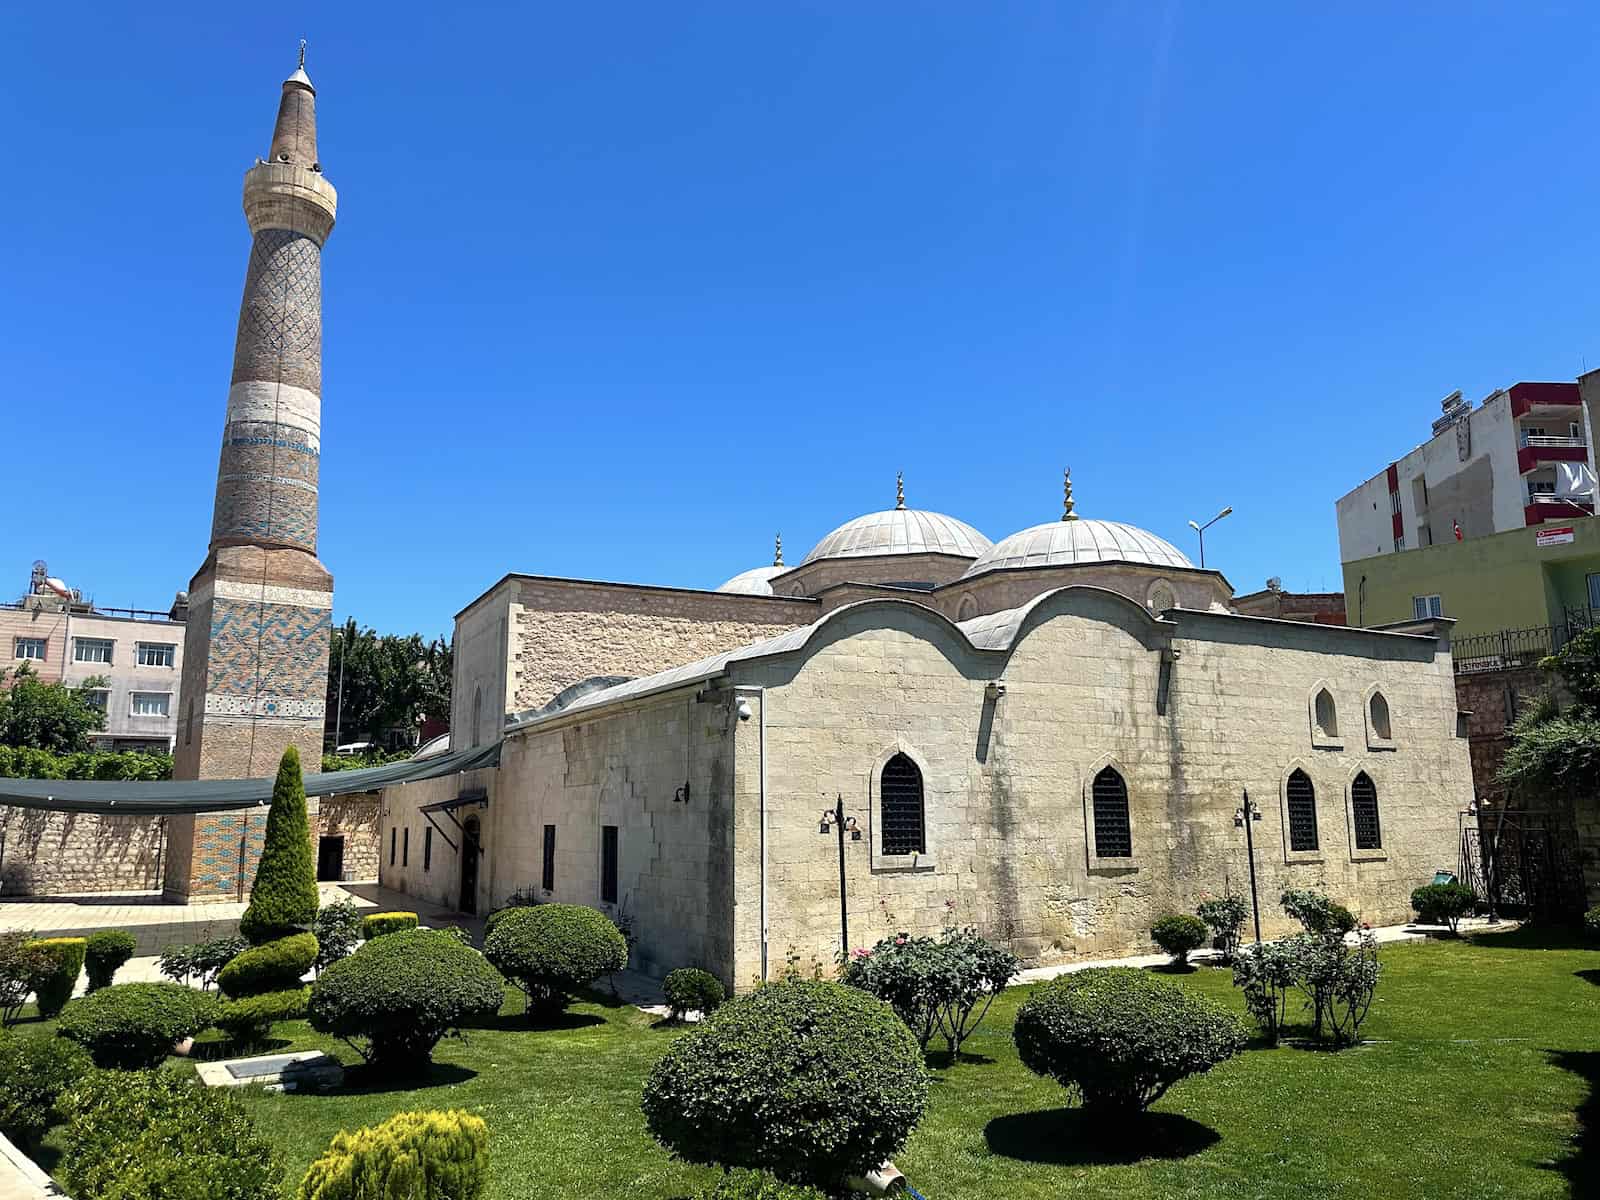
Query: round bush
pixel 1122 1036
pixel 273 967
pixel 378 924
pixel 1591 921
pixel 248 1021
pixel 422 1154
pixel 810 1080
pixel 1178 934
pixel 394 998
pixel 552 950
pixel 52 986
pixel 689 989
pixel 134 1025
pixel 499 915
pixel 1443 903
pixel 34 1071
pixel 105 952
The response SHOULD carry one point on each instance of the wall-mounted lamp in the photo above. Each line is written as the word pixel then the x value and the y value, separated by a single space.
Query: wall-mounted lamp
pixel 993 690
pixel 681 796
pixel 743 709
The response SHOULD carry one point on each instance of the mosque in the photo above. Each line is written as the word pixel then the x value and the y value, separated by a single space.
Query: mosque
pixel 1054 738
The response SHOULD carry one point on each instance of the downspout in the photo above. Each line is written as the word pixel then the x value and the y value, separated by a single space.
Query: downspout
pixel 761 695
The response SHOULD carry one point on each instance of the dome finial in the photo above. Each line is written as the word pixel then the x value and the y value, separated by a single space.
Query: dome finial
pixel 302 54
pixel 1067 504
pixel 899 489
pixel 777 552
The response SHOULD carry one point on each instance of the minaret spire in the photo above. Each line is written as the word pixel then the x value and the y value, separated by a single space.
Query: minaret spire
pixel 1066 498
pixel 294 136
pixel 777 552
pixel 899 489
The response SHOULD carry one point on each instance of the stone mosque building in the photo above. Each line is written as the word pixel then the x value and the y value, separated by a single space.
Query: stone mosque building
pixel 1048 737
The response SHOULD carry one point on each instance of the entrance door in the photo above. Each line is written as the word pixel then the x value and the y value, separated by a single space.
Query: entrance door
pixel 330 858
pixel 469 866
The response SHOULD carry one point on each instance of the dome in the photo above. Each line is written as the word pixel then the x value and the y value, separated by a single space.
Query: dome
pixel 755 582
pixel 1075 542
pixel 900 531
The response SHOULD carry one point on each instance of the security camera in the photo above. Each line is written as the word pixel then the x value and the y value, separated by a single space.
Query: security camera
pixel 743 710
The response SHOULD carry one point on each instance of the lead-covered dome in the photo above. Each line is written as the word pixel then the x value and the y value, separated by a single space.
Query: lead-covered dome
pixel 1075 542
pixel 755 582
pixel 900 530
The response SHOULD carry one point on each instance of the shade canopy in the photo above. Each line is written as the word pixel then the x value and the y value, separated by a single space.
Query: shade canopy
pixel 171 796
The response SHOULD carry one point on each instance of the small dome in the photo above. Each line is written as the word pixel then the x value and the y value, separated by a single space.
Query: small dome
pixel 1069 543
pixel 900 531
pixel 755 582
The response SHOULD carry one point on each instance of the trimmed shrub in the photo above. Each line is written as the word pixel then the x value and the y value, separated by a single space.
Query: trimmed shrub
pixel 426 1155
pixel 283 898
pixel 689 989
pixel 34 1071
pixel 1339 982
pixel 394 998
pixel 272 967
pixel 500 914
pixel 1266 973
pixel 58 973
pixel 134 1025
pixel 936 986
pixel 1316 912
pixel 1591 921
pixel 202 961
pixel 1121 1037
pixel 161 1136
pixel 552 950
pixel 1178 934
pixel 338 931
pixel 1224 916
pixel 812 1081
pixel 1444 904
pixel 247 1022
pixel 757 1185
pixel 21 962
pixel 378 924
pixel 106 951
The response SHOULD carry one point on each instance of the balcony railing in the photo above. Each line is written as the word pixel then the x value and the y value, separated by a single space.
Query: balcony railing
pixel 1540 439
pixel 1518 647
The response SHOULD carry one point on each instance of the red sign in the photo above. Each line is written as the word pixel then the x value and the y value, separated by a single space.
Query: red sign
pixel 1559 536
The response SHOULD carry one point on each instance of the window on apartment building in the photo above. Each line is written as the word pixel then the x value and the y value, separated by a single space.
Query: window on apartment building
pixel 92 650
pixel 405 846
pixel 1302 805
pixel 96 697
pixel 1400 542
pixel 1593 582
pixel 427 848
pixel 157 654
pixel 1394 502
pixel 1423 607
pixel 1113 834
pixel 152 704
pixel 1364 812
pixel 31 647
pixel 608 864
pixel 900 798
pixel 1541 487
pixel 547 878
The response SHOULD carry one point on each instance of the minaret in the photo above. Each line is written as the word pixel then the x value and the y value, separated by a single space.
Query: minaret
pixel 255 664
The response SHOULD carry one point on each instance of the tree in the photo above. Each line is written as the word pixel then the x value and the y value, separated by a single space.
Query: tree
pixel 47 716
pixel 1555 751
pixel 391 682
pixel 283 897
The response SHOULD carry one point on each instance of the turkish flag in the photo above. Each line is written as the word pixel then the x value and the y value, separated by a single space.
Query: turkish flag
pixel 1457 526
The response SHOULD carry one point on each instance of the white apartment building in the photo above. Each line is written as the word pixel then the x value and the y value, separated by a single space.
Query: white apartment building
pixel 1520 458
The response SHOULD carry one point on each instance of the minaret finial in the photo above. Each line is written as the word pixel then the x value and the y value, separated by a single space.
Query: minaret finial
pixel 777 552
pixel 302 54
pixel 1066 497
pixel 899 489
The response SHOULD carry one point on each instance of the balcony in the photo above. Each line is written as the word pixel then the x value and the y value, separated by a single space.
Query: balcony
pixel 1543 506
pixel 1536 449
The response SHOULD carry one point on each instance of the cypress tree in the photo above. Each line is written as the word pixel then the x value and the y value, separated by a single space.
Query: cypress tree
pixel 284 895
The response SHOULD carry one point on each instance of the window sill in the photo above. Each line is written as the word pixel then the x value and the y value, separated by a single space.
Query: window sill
pixel 1379 855
pixel 1114 866
pixel 1376 743
pixel 1293 857
pixel 905 863
pixel 1318 742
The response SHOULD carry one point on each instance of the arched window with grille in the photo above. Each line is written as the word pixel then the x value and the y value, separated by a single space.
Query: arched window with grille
pixel 1113 835
pixel 1364 813
pixel 1301 805
pixel 901 807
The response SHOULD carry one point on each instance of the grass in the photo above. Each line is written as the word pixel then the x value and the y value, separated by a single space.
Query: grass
pixel 1480 1078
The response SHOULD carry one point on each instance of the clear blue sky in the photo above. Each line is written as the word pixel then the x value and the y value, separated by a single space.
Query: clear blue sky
pixel 620 290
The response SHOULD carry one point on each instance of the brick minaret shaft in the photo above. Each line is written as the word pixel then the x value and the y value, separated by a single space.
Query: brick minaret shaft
pixel 255 664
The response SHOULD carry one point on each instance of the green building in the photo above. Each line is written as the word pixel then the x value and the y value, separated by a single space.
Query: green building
pixel 1546 575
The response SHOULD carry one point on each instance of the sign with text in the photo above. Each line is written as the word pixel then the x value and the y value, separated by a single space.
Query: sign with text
pixel 1560 536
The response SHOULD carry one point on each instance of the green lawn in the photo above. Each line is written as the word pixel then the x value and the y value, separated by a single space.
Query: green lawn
pixel 1475 1082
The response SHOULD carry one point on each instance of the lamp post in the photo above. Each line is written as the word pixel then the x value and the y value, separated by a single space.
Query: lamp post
pixel 835 819
pixel 1201 530
pixel 1247 815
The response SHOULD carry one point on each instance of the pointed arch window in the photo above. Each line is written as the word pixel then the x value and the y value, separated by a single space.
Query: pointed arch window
pixel 477 716
pixel 1327 714
pixel 1113 835
pixel 1364 813
pixel 900 792
pixel 1301 801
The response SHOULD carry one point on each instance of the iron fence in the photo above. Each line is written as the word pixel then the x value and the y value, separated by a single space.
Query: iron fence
pixel 1518 647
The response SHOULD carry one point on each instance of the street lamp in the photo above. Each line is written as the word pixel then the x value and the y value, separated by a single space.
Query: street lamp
pixel 834 818
pixel 1247 815
pixel 1201 530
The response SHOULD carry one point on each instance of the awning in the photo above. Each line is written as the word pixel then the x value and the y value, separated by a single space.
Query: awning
pixel 125 798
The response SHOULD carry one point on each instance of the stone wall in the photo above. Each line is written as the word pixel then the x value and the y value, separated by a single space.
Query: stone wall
pixel 54 853
pixel 1494 699
pixel 811 579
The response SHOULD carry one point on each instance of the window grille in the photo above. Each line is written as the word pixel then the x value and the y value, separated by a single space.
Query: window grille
pixel 1302 811
pixel 900 800
pixel 608 864
pixel 1113 836
pixel 1364 813
pixel 549 877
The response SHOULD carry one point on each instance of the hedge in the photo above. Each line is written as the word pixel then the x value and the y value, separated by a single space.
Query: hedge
pixel 428 1155
pixel 377 924
pixel 106 951
pixel 26 762
pixel 283 898
pixel 247 1022
pixel 133 1025
pixel 34 1072
pixel 552 950
pixel 269 968
pixel 52 987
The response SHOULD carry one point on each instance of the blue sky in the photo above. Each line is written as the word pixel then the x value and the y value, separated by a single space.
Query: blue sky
pixel 619 291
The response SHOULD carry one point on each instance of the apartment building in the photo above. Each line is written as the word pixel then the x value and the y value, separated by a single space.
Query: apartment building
pixel 135 654
pixel 1520 458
